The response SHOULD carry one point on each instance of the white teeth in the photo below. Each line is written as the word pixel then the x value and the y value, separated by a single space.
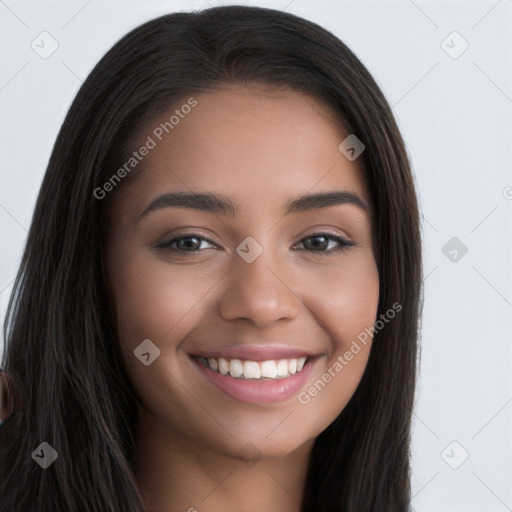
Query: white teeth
pixel 282 368
pixel 271 369
pixel 223 366
pixel 252 370
pixel 236 368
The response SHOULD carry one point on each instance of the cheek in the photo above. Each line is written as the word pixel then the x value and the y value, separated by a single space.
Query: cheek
pixel 163 303
pixel 152 300
pixel 344 299
pixel 345 305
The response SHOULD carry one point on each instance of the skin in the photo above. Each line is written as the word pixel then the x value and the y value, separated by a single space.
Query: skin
pixel 261 146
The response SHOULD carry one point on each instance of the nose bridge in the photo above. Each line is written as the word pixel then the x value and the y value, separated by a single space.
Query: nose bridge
pixel 255 289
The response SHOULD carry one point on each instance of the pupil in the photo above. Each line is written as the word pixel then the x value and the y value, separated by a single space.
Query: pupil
pixel 189 242
pixel 321 243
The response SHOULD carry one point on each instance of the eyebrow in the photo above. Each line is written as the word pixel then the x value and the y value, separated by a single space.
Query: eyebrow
pixel 226 205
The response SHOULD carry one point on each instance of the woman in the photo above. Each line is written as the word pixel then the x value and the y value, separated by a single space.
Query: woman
pixel 268 365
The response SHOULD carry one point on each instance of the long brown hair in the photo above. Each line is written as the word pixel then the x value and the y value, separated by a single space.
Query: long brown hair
pixel 59 341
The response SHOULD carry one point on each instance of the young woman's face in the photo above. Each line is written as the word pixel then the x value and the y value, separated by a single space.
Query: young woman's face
pixel 253 285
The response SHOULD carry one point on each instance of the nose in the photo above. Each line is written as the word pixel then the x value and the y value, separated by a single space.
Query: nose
pixel 258 292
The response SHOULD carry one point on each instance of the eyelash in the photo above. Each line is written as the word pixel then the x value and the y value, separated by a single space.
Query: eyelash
pixel 165 245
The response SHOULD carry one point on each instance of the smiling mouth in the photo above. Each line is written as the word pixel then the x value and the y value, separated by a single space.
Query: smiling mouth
pixel 272 369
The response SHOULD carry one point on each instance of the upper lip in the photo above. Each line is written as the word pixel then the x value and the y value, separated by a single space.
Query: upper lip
pixel 254 352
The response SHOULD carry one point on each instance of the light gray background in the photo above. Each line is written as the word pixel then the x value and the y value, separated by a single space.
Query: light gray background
pixel 455 115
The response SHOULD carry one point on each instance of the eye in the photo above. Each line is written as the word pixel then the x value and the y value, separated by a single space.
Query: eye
pixel 189 242
pixel 320 242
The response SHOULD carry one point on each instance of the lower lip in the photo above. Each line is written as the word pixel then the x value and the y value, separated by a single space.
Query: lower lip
pixel 261 392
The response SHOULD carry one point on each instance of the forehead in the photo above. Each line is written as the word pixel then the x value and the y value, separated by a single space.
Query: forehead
pixel 251 142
